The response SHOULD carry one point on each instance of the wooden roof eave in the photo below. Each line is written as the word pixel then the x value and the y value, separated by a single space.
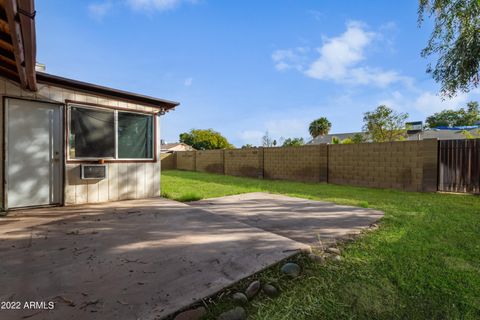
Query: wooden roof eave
pixel 22 31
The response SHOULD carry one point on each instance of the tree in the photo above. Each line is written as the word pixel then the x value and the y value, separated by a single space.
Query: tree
pixel 471 134
pixel 248 145
pixel 455 40
pixel 347 141
pixel 293 142
pixel 336 140
pixel 453 118
pixel 267 141
pixel 319 127
pixel 358 138
pixel 205 139
pixel 384 124
pixel 472 114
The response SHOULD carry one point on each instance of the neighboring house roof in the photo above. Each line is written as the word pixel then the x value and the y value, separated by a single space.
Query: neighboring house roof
pixel 440 134
pixel 443 134
pixel 18 56
pixel 177 146
pixel 327 139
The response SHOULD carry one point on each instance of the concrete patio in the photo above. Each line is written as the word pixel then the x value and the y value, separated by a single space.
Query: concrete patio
pixel 141 259
pixel 302 220
pixel 145 259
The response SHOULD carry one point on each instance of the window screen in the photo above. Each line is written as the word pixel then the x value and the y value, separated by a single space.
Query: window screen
pixel 135 136
pixel 92 133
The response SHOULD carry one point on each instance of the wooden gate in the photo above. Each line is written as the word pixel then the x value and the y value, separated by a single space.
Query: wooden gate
pixel 459 165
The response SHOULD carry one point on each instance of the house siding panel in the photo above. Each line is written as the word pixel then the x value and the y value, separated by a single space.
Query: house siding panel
pixel 124 181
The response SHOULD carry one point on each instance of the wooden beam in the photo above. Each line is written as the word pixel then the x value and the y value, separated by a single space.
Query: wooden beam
pixel 26 10
pixel 4 27
pixel 17 39
pixel 7 54
pixel 5 37
pixel 9 74
pixel 6 46
pixel 5 63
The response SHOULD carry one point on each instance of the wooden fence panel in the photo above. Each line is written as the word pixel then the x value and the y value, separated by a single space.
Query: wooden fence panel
pixel 459 165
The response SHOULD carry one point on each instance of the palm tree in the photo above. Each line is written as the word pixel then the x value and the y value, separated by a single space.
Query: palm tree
pixel 319 127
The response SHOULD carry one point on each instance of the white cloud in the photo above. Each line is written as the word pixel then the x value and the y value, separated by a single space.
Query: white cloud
pixel 429 102
pixel 341 60
pixel 253 137
pixel 99 10
pixel 339 54
pixel 286 128
pixel 159 5
pixel 188 82
pixel 426 102
pixel 290 58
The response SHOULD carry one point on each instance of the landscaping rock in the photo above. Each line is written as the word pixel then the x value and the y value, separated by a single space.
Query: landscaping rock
pixel 192 314
pixel 270 291
pixel 337 258
pixel 252 289
pixel 234 314
pixel 239 299
pixel 315 258
pixel 334 250
pixel 291 269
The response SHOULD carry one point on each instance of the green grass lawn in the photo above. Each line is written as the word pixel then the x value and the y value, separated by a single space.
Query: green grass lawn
pixel 422 263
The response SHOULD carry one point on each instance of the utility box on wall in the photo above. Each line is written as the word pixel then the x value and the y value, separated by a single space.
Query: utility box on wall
pixel 93 171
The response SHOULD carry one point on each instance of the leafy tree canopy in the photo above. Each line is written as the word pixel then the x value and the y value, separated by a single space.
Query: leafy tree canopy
pixel 384 124
pixel 455 41
pixel 453 118
pixel 319 127
pixel 205 139
pixel 293 142
pixel 336 140
pixel 248 145
pixel 358 138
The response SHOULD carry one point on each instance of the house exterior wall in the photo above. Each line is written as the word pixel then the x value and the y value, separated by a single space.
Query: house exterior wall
pixel 132 180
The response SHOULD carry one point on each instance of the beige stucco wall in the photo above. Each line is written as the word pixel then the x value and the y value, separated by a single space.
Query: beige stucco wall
pixel 125 180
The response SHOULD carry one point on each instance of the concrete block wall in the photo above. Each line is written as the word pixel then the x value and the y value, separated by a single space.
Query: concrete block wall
pixel 186 160
pixel 403 165
pixel 306 163
pixel 396 165
pixel 210 161
pixel 168 161
pixel 244 162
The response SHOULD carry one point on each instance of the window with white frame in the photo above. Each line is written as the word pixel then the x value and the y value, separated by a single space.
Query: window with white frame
pixel 97 133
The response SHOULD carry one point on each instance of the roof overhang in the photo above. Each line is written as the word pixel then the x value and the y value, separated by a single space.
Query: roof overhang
pixel 18 56
pixel 17 42
pixel 105 91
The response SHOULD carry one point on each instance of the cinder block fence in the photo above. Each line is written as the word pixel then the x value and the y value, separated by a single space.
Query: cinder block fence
pixel 405 165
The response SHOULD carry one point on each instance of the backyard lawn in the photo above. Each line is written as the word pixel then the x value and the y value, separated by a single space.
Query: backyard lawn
pixel 422 263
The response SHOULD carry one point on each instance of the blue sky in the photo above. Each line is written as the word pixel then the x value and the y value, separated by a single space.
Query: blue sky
pixel 245 67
